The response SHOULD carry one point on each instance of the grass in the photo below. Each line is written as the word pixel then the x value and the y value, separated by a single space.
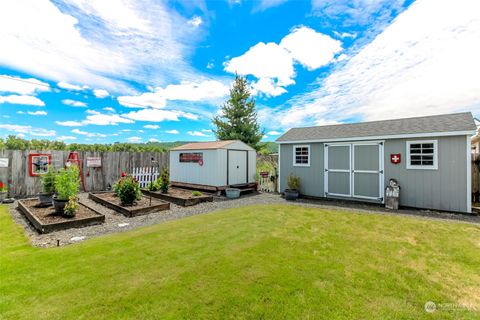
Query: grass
pixel 258 262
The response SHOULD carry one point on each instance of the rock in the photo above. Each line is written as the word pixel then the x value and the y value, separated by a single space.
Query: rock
pixel 75 239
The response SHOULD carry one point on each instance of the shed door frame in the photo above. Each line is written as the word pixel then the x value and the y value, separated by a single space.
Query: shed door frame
pixel 352 171
pixel 228 164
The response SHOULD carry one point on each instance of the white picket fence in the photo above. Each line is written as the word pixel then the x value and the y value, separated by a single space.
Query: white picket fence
pixel 144 175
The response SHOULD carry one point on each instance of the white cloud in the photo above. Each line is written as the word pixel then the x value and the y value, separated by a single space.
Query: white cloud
pixel 69 86
pixel 101 93
pixel 273 64
pixel 21 99
pixel 268 87
pixel 264 61
pixel 195 21
pixel 152 126
pixel 320 50
pixel 134 139
pixel 197 134
pixel 153 140
pixel 357 12
pixel 89 134
pixel 185 91
pixel 74 103
pixel 157 115
pixel 66 138
pixel 344 35
pixel 109 109
pixel 210 65
pixel 100 119
pixel 172 131
pixel 37 113
pixel 412 68
pixel 207 131
pixel 22 86
pixel 19 129
pixel 267 4
pixel 273 133
pixel 70 123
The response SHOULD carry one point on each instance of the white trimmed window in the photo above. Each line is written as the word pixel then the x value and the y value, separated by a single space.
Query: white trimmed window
pixel 422 154
pixel 301 156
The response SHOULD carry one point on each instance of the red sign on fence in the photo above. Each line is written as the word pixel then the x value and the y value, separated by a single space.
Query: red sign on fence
pixel 395 158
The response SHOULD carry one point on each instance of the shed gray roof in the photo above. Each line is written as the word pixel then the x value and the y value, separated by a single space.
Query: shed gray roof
pixel 418 125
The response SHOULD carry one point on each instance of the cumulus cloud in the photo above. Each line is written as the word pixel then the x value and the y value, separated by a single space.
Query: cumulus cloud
pixel 22 99
pixel 152 126
pixel 63 138
pixel 21 129
pixel 101 93
pixel 185 91
pixel 195 21
pixel 172 131
pixel 69 86
pixel 134 139
pixel 157 115
pixel 22 86
pixel 97 118
pixel 196 134
pixel 89 134
pixel 37 113
pixel 411 68
pixel 273 64
pixel 74 103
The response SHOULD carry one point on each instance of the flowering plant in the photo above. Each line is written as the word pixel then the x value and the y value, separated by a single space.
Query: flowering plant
pixel 127 189
pixel 3 187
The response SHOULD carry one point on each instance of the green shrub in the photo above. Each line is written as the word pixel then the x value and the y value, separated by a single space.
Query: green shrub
pixel 67 183
pixel 128 190
pixel 293 182
pixel 154 185
pixel 71 207
pixel 48 181
pixel 196 193
pixel 164 180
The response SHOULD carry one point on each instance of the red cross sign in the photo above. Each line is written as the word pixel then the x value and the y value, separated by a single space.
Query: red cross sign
pixel 395 158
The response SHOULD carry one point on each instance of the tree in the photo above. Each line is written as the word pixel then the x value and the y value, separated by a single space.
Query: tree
pixel 239 118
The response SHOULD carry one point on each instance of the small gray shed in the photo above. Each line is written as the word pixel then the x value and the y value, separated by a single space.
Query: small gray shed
pixel 428 156
pixel 213 165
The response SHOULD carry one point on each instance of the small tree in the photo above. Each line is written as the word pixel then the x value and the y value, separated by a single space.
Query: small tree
pixel 239 119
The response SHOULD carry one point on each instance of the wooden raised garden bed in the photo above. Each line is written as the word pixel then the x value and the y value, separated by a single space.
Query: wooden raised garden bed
pixel 179 196
pixel 140 207
pixel 45 220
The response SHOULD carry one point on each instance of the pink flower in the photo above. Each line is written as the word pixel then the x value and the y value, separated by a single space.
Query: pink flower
pixel 124 174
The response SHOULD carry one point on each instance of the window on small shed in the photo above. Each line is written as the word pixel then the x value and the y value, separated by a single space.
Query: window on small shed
pixel 422 154
pixel 301 155
pixel 191 156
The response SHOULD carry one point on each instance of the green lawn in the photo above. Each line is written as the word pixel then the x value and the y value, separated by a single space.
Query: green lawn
pixel 259 262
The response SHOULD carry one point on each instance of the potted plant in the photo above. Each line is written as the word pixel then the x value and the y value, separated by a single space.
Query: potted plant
pixel 48 186
pixel 67 183
pixel 128 190
pixel 293 183
pixel 3 191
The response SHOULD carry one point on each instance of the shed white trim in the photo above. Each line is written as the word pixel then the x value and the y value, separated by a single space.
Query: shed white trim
pixel 469 174
pixel 423 167
pixel 295 164
pixel 395 136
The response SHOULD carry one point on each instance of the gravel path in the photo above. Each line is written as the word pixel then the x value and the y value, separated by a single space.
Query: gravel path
pixel 116 222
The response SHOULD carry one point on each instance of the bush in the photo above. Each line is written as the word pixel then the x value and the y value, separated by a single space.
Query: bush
pixel 293 182
pixel 196 193
pixel 71 207
pixel 3 187
pixel 154 185
pixel 67 183
pixel 164 180
pixel 128 190
pixel 48 180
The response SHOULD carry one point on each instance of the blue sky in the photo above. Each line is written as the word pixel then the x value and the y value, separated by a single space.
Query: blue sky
pixel 125 70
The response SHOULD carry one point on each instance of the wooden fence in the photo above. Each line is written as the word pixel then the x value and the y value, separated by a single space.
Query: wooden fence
pixel 475 177
pixel 21 184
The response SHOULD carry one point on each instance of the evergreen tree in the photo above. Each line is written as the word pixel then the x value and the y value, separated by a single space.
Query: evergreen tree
pixel 239 119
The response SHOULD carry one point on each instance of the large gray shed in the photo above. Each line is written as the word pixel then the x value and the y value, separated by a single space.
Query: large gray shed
pixel 213 165
pixel 428 156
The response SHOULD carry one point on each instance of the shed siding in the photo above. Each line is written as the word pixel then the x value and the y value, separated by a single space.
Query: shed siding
pixel 210 173
pixel 311 178
pixel 252 166
pixel 442 189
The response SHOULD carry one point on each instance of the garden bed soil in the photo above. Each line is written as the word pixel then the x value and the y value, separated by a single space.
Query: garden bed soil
pixel 182 197
pixel 140 207
pixel 45 220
